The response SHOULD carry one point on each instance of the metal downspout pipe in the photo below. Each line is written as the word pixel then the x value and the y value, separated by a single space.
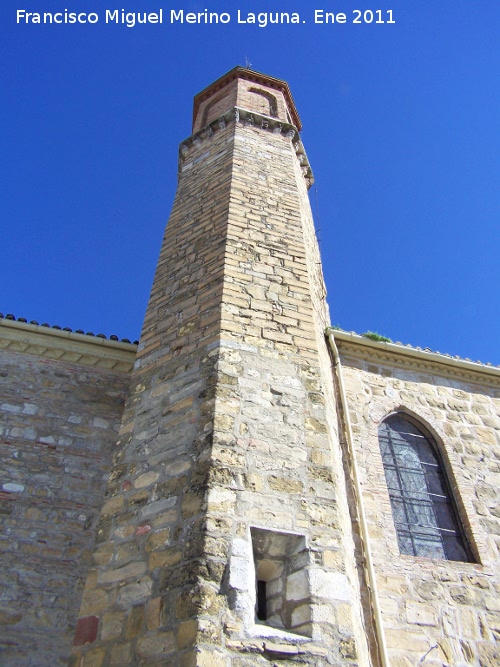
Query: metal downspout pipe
pixel 379 629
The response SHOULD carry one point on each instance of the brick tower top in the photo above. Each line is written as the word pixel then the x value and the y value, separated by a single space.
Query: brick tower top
pixel 250 90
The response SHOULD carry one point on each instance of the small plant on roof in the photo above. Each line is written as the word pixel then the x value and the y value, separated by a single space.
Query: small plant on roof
pixel 373 335
pixel 332 327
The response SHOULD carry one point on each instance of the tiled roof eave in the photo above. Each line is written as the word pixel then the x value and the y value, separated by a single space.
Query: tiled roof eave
pixel 67 346
pixel 352 344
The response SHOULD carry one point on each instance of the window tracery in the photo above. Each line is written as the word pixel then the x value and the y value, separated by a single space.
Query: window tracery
pixel 424 514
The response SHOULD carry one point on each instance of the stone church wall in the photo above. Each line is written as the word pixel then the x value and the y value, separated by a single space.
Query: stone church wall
pixel 58 424
pixel 434 612
pixel 230 515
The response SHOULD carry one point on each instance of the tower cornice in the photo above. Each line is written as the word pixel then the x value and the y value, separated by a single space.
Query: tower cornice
pixel 250 118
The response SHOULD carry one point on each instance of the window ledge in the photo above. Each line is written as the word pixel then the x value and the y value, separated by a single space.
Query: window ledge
pixel 264 631
pixel 278 644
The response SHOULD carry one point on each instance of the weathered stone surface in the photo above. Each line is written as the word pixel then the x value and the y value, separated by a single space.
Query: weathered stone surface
pixel 186 635
pixel 155 645
pixel 111 626
pixel 58 424
pixel 135 622
pixel 129 571
pixel 231 463
pixel 120 654
pixel 430 602
pixel 10 617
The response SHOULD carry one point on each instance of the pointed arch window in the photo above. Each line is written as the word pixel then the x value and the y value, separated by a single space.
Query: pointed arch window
pixel 425 517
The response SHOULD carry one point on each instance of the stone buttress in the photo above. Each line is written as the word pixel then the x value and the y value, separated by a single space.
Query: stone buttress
pixel 225 538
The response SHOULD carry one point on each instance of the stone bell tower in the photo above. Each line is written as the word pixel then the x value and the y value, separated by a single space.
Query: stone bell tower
pixel 225 537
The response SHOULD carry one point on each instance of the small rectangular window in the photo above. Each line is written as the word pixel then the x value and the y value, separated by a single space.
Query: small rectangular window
pixel 282 594
pixel 261 600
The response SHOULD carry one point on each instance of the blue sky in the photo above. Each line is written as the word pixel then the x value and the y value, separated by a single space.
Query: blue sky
pixel 400 124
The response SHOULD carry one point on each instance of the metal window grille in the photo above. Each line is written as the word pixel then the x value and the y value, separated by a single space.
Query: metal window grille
pixel 423 510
